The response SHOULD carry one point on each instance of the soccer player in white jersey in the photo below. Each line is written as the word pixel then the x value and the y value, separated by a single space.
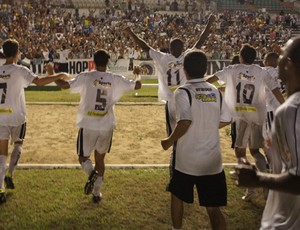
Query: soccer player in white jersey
pixel 270 64
pixel 99 91
pixel 244 94
pixel 283 204
pixel 13 79
pixel 197 159
pixel 169 68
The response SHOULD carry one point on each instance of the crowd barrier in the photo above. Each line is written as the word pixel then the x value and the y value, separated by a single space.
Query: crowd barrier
pixel 121 66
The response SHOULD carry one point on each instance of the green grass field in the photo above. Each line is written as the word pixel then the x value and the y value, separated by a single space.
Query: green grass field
pixel 132 199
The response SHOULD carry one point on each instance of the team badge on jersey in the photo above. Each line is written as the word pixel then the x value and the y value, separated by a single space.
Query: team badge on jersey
pixel 243 76
pixel 102 85
pixel 211 97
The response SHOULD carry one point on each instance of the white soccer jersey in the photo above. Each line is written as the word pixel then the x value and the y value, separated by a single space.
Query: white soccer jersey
pixel 13 79
pixel 244 92
pixel 282 209
pixel 198 150
pixel 170 72
pixel 271 101
pixel 99 91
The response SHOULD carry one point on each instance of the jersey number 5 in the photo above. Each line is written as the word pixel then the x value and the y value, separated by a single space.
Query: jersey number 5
pixel 100 100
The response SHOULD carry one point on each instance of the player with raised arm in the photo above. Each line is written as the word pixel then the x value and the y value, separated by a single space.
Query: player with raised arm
pixel 13 79
pixel 170 67
pixel 244 94
pixel 99 92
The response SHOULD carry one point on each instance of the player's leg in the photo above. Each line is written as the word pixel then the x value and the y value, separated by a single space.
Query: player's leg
pixel 100 168
pixel 256 142
pixel 181 187
pixel 176 211
pixel 212 193
pixel 243 131
pixel 102 147
pixel 85 144
pixel 216 218
pixel 17 135
pixel 3 159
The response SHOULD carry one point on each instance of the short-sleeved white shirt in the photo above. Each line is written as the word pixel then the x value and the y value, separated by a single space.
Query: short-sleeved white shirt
pixel 13 79
pixel 271 101
pixel 170 72
pixel 99 91
pixel 198 150
pixel 245 91
pixel 282 209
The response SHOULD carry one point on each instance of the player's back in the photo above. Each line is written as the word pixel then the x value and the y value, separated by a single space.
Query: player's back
pixel 13 79
pixel 245 93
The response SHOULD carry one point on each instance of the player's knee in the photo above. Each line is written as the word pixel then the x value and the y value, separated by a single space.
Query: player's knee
pixel 18 147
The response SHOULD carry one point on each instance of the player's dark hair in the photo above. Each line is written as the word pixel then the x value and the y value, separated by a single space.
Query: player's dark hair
pixel 195 64
pixel 272 58
pixel 101 57
pixel 235 60
pixel 248 54
pixel 10 48
pixel 176 47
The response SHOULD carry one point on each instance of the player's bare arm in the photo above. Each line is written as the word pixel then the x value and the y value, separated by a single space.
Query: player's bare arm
pixel 180 129
pixel 206 32
pixel 212 79
pixel 249 177
pixel 278 95
pixel 141 43
pixel 138 85
pixel 63 84
pixel 49 79
pixel 223 124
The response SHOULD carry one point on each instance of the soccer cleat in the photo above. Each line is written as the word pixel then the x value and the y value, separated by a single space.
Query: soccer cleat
pixel 2 196
pixel 250 193
pixel 97 199
pixel 9 182
pixel 89 186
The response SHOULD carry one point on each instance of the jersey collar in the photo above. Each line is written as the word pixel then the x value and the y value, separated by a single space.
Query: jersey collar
pixel 199 80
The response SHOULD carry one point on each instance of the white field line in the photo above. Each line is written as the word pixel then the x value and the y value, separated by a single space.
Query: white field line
pixel 111 166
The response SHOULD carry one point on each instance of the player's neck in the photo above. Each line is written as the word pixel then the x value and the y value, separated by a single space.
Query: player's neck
pixel 10 61
pixel 101 68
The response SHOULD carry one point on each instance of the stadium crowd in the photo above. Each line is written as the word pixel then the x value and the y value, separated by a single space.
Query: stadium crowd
pixel 44 31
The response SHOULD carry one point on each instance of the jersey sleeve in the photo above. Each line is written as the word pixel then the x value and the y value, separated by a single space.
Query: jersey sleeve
pixel 77 83
pixel 183 105
pixel 270 82
pixel 29 76
pixel 224 73
pixel 225 112
pixel 156 55
pixel 123 85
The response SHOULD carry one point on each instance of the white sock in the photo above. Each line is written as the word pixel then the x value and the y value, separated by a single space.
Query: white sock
pixel 14 158
pixel 97 186
pixel 3 159
pixel 87 166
